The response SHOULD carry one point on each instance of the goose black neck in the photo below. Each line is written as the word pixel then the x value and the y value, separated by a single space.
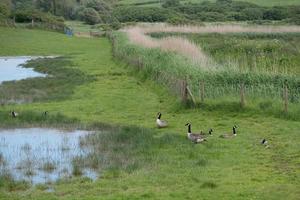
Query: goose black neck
pixel 189 128
pixel 159 116
pixel 233 130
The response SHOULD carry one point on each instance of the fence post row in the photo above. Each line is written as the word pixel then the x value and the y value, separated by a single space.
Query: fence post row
pixel 201 86
pixel 184 92
pixel 242 93
pixel 286 98
pixel 191 94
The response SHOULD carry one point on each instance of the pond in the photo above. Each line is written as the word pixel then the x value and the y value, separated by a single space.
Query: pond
pixel 41 155
pixel 11 69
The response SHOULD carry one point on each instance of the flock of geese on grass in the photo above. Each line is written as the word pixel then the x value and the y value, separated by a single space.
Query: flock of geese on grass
pixel 194 137
pixel 202 136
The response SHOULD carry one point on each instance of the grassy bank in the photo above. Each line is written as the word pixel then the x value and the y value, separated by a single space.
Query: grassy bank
pixel 142 162
pixel 222 85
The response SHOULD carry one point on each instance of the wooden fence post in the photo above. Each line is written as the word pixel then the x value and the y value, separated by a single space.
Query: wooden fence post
pixel 184 92
pixel 191 94
pixel 286 98
pixel 201 86
pixel 242 93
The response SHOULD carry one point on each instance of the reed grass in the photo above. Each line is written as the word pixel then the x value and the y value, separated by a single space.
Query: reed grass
pixel 168 68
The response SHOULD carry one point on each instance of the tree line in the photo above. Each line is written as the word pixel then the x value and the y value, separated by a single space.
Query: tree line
pixel 172 11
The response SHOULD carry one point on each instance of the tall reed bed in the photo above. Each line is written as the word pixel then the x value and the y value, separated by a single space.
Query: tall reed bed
pixel 170 68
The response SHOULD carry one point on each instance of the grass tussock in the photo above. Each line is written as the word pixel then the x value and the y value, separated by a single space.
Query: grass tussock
pixel 122 148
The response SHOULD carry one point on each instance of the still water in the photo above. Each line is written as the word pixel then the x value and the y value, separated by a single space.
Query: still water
pixel 41 155
pixel 11 69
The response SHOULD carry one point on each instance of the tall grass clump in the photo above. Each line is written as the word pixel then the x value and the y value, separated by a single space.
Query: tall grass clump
pixel 222 84
pixel 122 148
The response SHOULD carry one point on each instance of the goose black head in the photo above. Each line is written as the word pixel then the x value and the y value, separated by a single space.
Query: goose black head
pixel 234 129
pixel 187 124
pixel 210 131
pixel 264 141
pixel 13 113
pixel 158 115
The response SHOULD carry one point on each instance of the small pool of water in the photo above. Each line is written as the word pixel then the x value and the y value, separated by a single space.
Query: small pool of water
pixel 41 155
pixel 11 69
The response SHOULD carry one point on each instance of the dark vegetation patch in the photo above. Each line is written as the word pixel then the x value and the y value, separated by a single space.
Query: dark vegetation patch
pixel 37 118
pixel 176 12
pixel 209 185
pixel 125 149
pixel 59 84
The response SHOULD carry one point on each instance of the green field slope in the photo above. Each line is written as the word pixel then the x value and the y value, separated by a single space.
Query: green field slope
pixel 167 165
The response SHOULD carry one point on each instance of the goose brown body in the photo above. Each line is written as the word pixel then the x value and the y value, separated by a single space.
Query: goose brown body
pixel 194 137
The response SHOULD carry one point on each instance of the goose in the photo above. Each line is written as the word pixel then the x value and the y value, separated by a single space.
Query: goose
pixel 230 135
pixel 194 137
pixel 45 113
pixel 160 123
pixel 265 143
pixel 14 114
pixel 209 132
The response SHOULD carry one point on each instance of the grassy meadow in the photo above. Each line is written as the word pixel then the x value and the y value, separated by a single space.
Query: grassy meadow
pixel 142 162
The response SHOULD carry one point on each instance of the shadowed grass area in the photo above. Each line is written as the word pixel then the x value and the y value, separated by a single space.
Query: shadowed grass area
pixel 34 118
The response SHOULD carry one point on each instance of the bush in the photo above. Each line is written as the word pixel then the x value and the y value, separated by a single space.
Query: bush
pixel 252 13
pixel 91 16
pixel 275 14
pixel 4 10
pixel 171 3
pixel 141 14
pixel 212 16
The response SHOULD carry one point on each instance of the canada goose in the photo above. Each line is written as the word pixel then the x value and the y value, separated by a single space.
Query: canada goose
pixel 194 137
pixel 230 135
pixel 160 123
pixel 14 114
pixel 209 132
pixel 45 113
pixel 265 143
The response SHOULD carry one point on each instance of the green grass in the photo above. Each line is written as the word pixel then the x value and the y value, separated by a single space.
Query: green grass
pixel 162 163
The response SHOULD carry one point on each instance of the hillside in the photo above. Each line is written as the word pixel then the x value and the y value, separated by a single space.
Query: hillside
pixel 258 2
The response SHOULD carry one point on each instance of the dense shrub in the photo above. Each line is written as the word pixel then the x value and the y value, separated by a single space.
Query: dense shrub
pixel 91 16
pixel 171 3
pixel 275 14
pixel 252 13
pixel 141 14
pixel 4 9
